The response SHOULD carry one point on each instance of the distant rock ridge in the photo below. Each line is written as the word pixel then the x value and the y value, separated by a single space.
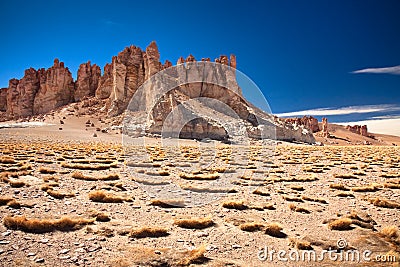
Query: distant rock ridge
pixel 309 122
pixel 358 129
pixel 43 90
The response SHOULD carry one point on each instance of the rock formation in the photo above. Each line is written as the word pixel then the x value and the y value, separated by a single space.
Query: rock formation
pixel 309 122
pixel 56 88
pixel 3 99
pixel 202 100
pixel 21 94
pixel 358 129
pixel 87 80
pixel 41 91
pixel 325 132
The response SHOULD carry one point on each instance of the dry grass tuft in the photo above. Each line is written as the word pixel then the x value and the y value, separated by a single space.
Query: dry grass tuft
pixel 339 187
pixel 346 176
pixel 251 227
pixel 392 185
pixel 201 176
pixel 168 203
pixel 7 160
pixel 314 199
pixel 148 232
pixel 275 230
pixel 194 223
pixel 81 176
pixel 297 188
pixel 341 224
pixel 44 225
pixel 392 234
pixel 295 208
pixel 366 188
pixel 261 193
pixel 345 194
pixel 102 217
pixel 194 256
pixel 59 194
pixel 384 203
pixel 16 183
pixel 234 204
pixel 300 244
pixel 45 170
pixel 102 196
pixel 9 201
pixel 292 199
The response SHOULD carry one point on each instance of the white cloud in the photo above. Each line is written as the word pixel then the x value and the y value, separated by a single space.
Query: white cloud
pixel 384 126
pixel 389 70
pixel 341 111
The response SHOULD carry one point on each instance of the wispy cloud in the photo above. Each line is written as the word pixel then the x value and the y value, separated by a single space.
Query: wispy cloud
pixel 388 70
pixel 342 110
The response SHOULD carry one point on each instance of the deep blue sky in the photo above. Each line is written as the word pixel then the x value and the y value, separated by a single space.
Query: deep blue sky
pixel 300 53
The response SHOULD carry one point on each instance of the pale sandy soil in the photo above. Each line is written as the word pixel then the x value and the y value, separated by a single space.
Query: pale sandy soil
pixel 200 178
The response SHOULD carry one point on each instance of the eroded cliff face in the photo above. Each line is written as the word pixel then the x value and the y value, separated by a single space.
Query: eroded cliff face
pixel 41 91
pixel 56 88
pixel 3 99
pixel 87 81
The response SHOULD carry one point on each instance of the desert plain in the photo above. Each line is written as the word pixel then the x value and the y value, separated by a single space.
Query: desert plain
pixel 74 195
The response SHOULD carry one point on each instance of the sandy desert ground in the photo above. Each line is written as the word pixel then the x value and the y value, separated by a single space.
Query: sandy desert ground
pixel 71 199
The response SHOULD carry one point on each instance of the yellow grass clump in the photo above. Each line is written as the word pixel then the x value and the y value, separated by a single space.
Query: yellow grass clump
pixel 339 187
pixel 384 203
pixel 251 227
pixel 391 233
pixel 366 188
pixel 314 199
pixel 45 170
pixel 200 176
pixel 235 204
pixel 44 225
pixel 102 196
pixel 275 230
pixel 7 160
pixel 341 224
pixel 59 194
pixel 148 232
pixel 300 244
pixel 194 223
pixel 168 203
pixel 81 176
pixel 295 208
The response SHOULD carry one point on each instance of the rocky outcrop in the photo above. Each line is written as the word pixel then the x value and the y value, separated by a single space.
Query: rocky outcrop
pixel 358 129
pixel 104 86
pixel 325 132
pixel 309 122
pixel 56 88
pixel 39 91
pixel 21 94
pixel 3 99
pixel 228 115
pixel 202 100
pixel 87 81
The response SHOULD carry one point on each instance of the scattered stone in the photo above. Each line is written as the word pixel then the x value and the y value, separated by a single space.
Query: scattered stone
pixel 64 251
pixel 40 260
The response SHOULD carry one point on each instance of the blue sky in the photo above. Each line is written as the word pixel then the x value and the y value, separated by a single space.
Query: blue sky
pixel 301 54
